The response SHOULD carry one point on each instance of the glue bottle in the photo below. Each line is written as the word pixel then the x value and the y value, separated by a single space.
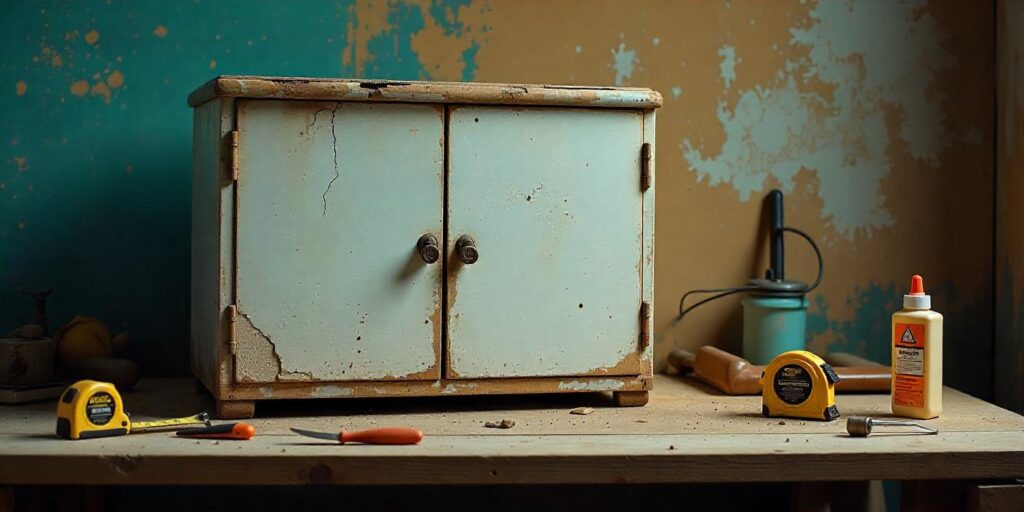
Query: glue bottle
pixel 917 356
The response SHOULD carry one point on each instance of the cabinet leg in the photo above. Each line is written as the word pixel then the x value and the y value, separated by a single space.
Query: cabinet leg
pixel 630 398
pixel 235 409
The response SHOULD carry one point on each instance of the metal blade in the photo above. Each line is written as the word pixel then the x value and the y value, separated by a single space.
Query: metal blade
pixel 318 435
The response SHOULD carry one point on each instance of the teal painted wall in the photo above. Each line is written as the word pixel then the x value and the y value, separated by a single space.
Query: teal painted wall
pixel 95 180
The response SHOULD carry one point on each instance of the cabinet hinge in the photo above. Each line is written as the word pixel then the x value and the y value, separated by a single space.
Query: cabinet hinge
pixel 232 317
pixel 233 155
pixel 646 167
pixel 645 325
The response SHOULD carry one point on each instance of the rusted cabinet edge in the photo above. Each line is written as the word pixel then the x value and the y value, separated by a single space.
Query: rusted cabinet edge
pixel 424 92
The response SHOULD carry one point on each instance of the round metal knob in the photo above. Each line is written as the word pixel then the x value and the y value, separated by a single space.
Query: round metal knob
pixel 428 249
pixel 465 247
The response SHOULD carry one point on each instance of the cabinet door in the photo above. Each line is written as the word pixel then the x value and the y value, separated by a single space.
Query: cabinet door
pixel 552 199
pixel 331 200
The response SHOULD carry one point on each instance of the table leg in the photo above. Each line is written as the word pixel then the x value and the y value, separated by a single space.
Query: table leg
pixel 932 495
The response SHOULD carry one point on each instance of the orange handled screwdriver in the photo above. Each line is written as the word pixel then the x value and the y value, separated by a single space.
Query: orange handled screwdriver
pixel 237 431
pixel 386 435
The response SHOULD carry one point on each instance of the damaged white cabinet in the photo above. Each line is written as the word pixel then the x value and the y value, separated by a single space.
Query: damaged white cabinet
pixel 355 238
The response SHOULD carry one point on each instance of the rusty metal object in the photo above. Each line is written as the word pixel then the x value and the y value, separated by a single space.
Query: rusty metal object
pixel 40 298
pixel 465 247
pixel 646 167
pixel 646 314
pixel 861 426
pixel 428 249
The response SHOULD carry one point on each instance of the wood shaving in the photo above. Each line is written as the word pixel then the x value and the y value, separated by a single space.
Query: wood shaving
pixel 582 410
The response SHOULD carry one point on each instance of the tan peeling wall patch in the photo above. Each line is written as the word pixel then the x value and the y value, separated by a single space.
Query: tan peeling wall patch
pixel 115 79
pixel 101 89
pixel 80 88
pixel 92 36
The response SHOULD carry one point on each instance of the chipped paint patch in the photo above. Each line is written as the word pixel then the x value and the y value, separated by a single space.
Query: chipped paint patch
pixel 453 387
pixel 91 37
pixel 160 31
pixel 677 91
pixel 332 391
pixel 101 89
pixel 623 60
pixel 792 124
pixel 256 357
pixel 727 69
pixel 20 87
pixel 591 385
pixel 115 79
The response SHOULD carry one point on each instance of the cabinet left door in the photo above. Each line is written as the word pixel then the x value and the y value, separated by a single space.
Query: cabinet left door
pixel 331 200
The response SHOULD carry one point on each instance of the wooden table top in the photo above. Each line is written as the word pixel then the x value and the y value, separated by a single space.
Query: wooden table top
pixel 687 433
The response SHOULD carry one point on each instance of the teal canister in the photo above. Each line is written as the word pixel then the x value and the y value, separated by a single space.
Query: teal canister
pixel 773 325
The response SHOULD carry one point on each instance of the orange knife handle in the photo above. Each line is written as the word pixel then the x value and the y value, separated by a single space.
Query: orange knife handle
pixel 386 435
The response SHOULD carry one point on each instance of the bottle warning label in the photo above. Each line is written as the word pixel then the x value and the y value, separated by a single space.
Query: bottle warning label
pixel 908 384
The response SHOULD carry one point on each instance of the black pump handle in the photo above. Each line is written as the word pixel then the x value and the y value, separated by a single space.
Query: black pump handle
pixel 777 250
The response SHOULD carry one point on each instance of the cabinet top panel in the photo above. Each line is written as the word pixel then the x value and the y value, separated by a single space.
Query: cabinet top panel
pixel 336 89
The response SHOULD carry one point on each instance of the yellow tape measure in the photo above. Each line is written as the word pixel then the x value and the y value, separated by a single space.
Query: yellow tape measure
pixel 90 409
pixel 799 384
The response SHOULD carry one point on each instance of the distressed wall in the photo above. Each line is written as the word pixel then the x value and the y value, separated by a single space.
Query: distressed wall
pixel 1009 349
pixel 875 118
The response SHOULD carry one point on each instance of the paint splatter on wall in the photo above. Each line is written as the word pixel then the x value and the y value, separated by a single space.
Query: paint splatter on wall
pixel 874 117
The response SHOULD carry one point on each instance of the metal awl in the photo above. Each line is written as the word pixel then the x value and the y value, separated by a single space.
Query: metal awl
pixel 861 426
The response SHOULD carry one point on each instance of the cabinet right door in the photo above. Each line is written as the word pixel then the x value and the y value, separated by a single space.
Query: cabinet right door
pixel 551 198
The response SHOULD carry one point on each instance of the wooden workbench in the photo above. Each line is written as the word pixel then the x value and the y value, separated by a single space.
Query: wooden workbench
pixel 687 433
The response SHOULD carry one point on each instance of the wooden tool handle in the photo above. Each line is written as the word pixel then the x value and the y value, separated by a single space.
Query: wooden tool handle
pixel 734 375
pixel 386 435
pixel 681 360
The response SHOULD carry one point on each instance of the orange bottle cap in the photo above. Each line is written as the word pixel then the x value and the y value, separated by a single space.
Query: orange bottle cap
pixel 916 285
